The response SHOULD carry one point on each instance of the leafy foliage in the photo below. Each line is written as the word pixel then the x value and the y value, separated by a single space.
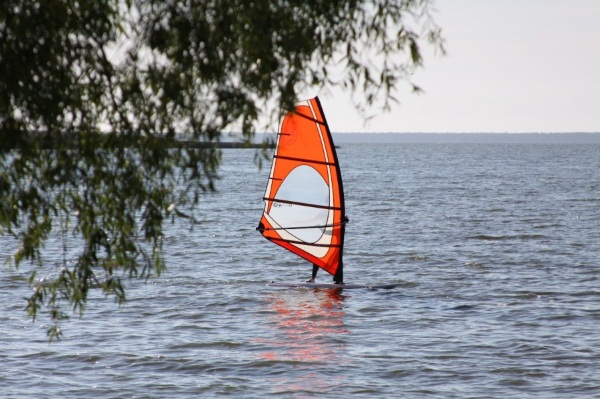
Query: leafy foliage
pixel 96 92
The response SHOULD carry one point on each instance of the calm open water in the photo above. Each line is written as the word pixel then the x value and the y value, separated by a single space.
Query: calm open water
pixel 495 247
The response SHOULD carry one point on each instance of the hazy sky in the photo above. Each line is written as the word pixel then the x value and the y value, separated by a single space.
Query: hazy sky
pixel 511 66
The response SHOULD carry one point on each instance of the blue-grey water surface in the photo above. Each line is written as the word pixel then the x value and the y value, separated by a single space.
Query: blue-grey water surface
pixel 495 247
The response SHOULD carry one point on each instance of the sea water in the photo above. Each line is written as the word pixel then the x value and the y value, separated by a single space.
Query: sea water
pixel 495 248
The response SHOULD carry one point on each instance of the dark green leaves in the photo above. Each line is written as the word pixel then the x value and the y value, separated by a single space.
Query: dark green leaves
pixel 96 93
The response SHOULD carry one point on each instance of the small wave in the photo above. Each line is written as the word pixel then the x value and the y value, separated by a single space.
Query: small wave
pixel 548 226
pixel 463 307
pixel 475 265
pixel 485 237
pixel 531 236
pixel 534 294
pixel 583 200
pixel 417 257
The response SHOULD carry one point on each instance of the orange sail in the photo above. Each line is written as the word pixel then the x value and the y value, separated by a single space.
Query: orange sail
pixel 304 200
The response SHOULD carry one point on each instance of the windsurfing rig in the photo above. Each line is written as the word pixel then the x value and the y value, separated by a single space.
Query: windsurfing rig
pixel 304 199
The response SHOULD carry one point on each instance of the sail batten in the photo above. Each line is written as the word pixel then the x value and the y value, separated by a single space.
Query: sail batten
pixel 282 201
pixel 305 160
pixel 323 123
pixel 304 199
pixel 307 243
pixel 299 227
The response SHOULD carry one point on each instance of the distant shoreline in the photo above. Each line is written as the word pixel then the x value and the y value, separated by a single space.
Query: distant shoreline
pixel 382 138
pixel 226 144
pixel 462 138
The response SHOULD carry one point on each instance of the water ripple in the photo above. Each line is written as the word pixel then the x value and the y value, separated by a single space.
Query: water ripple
pixel 494 248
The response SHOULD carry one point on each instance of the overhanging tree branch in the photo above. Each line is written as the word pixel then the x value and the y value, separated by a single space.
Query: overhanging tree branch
pixel 108 87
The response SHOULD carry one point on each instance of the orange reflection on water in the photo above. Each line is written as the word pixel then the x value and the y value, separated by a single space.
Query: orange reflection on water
pixel 304 323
